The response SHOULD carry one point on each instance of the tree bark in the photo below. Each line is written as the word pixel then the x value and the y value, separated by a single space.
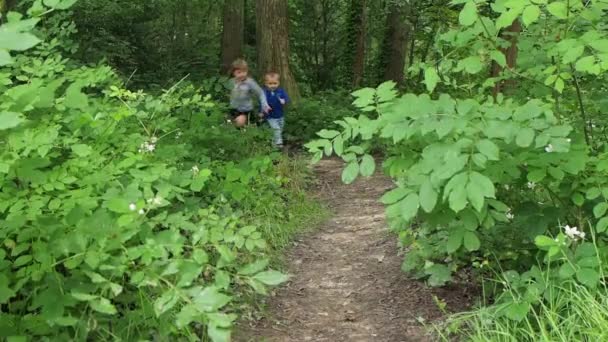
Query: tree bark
pixel 232 33
pixel 396 42
pixel 273 43
pixel 511 34
pixel 359 22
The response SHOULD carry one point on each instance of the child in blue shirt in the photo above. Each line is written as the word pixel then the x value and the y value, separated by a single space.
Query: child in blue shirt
pixel 277 99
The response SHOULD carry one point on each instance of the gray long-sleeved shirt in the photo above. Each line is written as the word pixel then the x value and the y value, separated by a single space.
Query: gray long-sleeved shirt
pixel 241 95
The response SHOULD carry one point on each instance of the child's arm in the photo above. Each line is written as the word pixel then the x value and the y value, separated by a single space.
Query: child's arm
pixel 283 97
pixel 262 96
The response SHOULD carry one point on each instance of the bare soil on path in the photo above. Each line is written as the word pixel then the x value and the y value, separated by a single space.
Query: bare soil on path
pixel 346 280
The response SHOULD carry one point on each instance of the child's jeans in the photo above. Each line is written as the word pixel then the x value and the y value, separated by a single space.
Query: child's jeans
pixel 277 130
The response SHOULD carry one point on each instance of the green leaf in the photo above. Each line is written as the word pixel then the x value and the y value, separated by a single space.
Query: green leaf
pixel 431 79
pixel 65 4
pixel 558 9
pixel 600 209
pixel 566 271
pixel 543 241
pixel 82 150
pixel 439 275
pixel 328 134
pixel 588 277
pixel 17 41
pixel 254 267
pixel 458 198
pixel 10 120
pixel 602 224
pixel 74 98
pixel 221 320
pixel 454 240
pixel 350 173
pixel 103 305
pixel 200 179
pixel 165 302
pixel 499 58
pixel 517 311
pixel 5 58
pixel 6 292
pixel 339 145
pixel 428 196
pixel 471 65
pixel 85 297
pixel 368 166
pixel 409 207
pixel 394 196
pixel 218 334
pixel 488 149
pixel 210 299
pixel 468 15
pixel 471 241
pixel 271 278
pixel 118 205
pixel 536 176
pixel 531 14
pixel 585 64
pixel 525 137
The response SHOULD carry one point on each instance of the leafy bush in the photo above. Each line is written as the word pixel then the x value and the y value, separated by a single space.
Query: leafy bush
pixel 121 217
pixel 494 182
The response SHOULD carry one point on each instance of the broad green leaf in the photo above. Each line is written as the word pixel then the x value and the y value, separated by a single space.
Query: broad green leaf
pixel 339 145
pixel 471 65
pixel 200 179
pixel 600 209
pixel 573 54
pixel 558 9
pixel 431 78
pixel 103 305
pixel 428 196
pixel 74 98
pixel 507 18
pixel 6 292
pixel 517 311
pixel 82 150
pixel 471 241
pixel 254 267
pixel 566 271
pixel 468 15
pixel 65 4
pixel 187 315
pixel 165 302
pixel 488 149
pixel 350 173
pixel 271 277
pixel 210 299
pixel 17 41
pixel 525 137
pixel 5 58
pixel 499 57
pixel 394 196
pixel 475 195
pixel 586 64
pixel 588 277
pixel 368 166
pixel 458 198
pixel 409 206
pixel 593 193
pixel 218 334
pixel 328 134
pixel 10 120
pixel 602 224
pixel 486 185
pixel 439 275
pixel 221 320
pixel 119 205
pixel 531 14
pixel 454 240
pixel 543 241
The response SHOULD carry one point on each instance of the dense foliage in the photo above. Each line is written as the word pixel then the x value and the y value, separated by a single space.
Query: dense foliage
pixel 127 215
pixel 514 182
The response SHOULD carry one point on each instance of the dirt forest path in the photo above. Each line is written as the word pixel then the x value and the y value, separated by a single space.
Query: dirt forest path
pixel 347 284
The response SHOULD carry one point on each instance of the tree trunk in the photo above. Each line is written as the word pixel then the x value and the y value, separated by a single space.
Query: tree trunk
pixel 396 43
pixel 233 33
pixel 273 43
pixel 511 34
pixel 360 25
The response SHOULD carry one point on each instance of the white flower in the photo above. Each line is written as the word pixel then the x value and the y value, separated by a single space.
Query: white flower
pixel 506 186
pixel 531 185
pixel 132 207
pixel 150 147
pixel 569 140
pixel 153 140
pixel 549 148
pixel 178 134
pixel 510 215
pixel 195 169
pixel 141 212
pixel 157 200
pixel 573 233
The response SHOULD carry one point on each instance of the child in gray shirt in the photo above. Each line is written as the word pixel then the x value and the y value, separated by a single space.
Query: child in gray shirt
pixel 243 88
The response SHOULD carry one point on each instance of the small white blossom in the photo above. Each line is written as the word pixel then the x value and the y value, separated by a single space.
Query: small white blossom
pixel 157 200
pixel 132 207
pixel 141 212
pixel 573 233
pixel 195 169
pixel 510 215
pixel 549 148
pixel 154 140
pixel 178 135
pixel 147 147
pixel 569 140
pixel 531 185
pixel 506 186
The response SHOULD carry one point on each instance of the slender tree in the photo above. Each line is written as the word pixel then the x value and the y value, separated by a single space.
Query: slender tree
pixel 353 58
pixel 232 33
pixel 510 34
pixel 273 42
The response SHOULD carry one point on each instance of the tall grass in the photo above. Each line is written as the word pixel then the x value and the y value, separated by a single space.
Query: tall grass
pixel 566 314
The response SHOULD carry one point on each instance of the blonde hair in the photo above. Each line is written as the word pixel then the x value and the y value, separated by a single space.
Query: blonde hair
pixel 240 64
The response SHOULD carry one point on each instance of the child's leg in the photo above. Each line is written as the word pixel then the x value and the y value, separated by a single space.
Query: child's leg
pixel 275 124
